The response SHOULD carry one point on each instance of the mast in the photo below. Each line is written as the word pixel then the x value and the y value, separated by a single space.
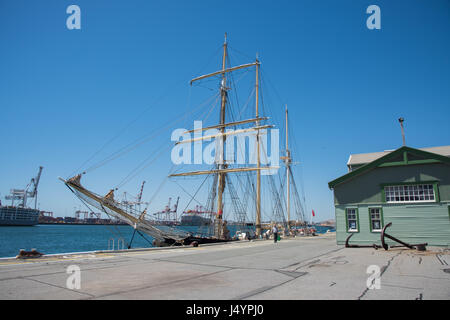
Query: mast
pixel 258 172
pixel 288 163
pixel 222 167
pixel 221 177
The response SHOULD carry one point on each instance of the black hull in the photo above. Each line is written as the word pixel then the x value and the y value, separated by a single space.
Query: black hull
pixel 189 241
pixel 194 220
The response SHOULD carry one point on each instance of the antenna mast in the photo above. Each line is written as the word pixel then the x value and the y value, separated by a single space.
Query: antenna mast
pixel 403 131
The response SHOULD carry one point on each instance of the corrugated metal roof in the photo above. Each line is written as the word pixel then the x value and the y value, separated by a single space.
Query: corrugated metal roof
pixel 363 158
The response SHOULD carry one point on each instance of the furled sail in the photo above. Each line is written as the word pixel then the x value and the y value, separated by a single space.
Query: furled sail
pixel 126 214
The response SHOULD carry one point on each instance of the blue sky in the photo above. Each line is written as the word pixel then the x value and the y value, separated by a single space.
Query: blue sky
pixel 65 93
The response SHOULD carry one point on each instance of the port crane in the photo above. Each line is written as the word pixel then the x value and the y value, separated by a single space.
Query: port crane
pixel 166 213
pixel 47 214
pixel 198 210
pixel 24 194
pixel 87 215
pixel 138 199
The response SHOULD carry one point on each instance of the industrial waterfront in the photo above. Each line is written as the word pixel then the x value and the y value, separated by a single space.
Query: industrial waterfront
pixel 64 238
pixel 232 151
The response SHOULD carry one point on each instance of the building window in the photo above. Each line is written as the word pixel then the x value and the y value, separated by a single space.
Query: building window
pixel 376 220
pixel 352 219
pixel 410 193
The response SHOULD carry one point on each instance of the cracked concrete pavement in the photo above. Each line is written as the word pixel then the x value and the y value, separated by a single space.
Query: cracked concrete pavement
pixel 292 269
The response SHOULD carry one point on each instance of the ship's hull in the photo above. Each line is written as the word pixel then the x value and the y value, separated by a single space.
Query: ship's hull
pixel 189 241
pixel 194 220
pixel 16 216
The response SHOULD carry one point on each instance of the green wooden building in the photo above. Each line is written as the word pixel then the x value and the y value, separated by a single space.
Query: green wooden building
pixel 408 187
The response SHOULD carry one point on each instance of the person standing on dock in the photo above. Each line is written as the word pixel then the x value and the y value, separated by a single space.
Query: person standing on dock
pixel 275 233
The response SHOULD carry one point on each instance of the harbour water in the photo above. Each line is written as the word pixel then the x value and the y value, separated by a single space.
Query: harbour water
pixel 54 238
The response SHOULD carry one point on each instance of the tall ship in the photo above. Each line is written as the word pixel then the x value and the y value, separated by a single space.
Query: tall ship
pixel 231 191
pixel 18 213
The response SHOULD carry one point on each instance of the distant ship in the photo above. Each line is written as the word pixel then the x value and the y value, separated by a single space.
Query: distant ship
pixel 195 217
pixel 20 214
pixel 194 220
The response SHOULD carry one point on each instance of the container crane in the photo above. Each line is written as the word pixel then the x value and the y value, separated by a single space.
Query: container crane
pixel 134 204
pixel 167 211
pixel 139 198
pixel 24 194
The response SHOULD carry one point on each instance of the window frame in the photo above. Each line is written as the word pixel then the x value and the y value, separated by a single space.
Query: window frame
pixel 381 220
pixel 356 218
pixel 434 188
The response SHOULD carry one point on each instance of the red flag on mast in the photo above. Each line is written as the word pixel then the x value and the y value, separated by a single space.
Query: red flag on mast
pixel 313 213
